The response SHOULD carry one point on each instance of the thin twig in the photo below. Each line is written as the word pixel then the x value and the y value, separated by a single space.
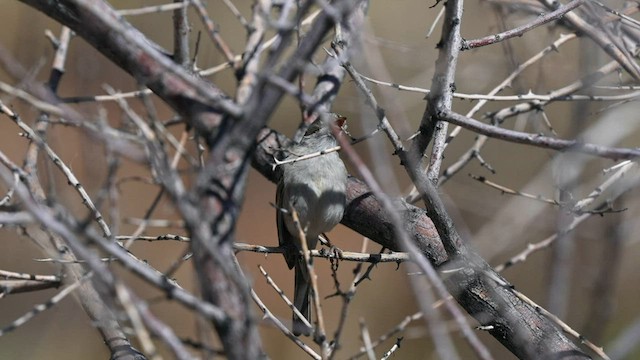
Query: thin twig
pixel 153 9
pixel 73 181
pixel 320 333
pixel 540 140
pixel 44 306
pixel 212 30
pixel 521 30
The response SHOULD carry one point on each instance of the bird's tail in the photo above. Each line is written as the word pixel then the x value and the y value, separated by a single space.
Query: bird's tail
pixel 302 289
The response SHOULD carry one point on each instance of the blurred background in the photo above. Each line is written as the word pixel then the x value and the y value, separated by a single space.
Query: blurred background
pixel 395 48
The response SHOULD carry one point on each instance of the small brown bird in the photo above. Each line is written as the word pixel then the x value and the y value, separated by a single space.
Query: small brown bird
pixel 316 188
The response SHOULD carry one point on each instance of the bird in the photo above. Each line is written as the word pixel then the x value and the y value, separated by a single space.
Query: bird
pixel 316 189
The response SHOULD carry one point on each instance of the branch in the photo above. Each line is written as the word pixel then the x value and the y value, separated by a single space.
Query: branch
pixel 513 321
pixel 200 102
pixel 441 95
pixel 519 31
pixel 540 140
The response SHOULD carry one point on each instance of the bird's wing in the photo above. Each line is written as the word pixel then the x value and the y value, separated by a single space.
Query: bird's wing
pixel 285 239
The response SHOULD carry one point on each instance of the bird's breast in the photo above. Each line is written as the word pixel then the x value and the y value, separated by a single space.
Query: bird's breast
pixel 316 189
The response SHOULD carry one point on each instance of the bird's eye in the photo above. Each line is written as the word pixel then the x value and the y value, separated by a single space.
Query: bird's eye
pixel 312 129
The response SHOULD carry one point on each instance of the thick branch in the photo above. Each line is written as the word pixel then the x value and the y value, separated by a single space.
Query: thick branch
pixel 442 89
pixel 96 21
pixel 521 329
